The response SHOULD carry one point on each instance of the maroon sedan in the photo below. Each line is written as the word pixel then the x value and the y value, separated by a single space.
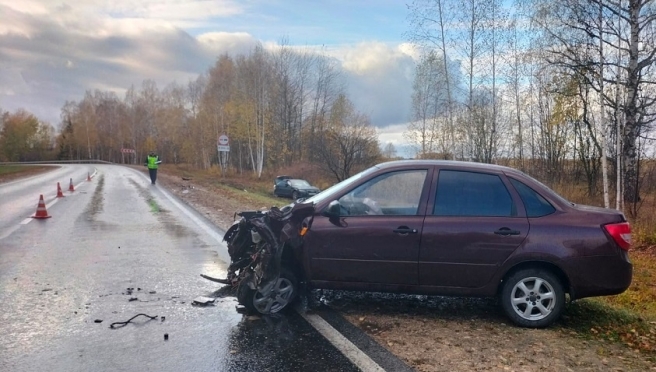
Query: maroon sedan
pixel 465 229
pixel 458 229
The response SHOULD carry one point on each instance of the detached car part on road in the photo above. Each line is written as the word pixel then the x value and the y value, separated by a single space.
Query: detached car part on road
pixel 437 228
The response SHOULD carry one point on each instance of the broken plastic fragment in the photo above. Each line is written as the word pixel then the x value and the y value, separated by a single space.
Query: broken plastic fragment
pixel 202 300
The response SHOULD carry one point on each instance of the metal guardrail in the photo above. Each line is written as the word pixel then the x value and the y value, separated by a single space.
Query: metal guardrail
pixel 92 161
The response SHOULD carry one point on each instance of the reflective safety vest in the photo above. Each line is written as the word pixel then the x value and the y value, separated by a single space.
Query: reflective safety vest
pixel 152 162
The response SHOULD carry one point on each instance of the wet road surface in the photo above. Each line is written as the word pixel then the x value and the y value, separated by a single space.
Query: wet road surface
pixel 115 248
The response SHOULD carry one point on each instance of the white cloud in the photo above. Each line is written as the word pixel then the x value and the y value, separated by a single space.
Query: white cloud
pixel 53 51
pixel 55 59
pixel 104 18
pixel 379 80
pixel 394 134
pixel 238 42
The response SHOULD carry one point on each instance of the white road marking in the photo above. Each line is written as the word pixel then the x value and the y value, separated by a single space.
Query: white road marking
pixel 355 355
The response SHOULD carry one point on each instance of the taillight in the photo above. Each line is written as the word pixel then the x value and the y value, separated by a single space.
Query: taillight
pixel 621 233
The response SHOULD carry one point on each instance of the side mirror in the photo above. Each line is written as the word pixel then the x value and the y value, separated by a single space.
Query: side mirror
pixel 333 210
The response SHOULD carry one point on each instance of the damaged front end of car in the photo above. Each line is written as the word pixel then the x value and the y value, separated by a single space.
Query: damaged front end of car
pixel 256 243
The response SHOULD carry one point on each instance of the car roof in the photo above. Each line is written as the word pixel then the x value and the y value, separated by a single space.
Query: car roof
pixel 453 163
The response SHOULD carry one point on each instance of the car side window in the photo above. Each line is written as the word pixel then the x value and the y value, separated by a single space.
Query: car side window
pixel 535 204
pixel 472 194
pixel 394 193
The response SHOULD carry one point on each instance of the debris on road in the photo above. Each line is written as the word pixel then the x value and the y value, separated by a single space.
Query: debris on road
pixel 166 337
pixel 217 280
pixel 97 320
pixel 123 324
pixel 203 301
pixel 132 299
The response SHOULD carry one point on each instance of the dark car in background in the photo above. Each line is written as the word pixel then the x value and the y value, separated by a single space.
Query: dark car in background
pixel 461 229
pixel 294 188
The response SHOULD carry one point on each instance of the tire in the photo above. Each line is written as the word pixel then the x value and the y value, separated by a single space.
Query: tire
pixel 533 298
pixel 294 195
pixel 286 290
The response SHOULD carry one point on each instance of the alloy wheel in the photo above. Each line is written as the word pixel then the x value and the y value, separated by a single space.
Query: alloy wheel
pixel 533 298
pixel 277 298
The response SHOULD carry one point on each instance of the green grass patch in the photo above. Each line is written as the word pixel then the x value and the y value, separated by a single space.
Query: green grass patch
pixel 15 169
pixel 9 169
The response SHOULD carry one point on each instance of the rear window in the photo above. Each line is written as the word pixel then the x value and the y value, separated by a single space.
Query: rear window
pixel 535 204
pixel 472 194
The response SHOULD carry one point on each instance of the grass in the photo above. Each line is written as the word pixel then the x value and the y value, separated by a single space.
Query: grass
pixel 244 187
pixel 17 169
pixel 595 318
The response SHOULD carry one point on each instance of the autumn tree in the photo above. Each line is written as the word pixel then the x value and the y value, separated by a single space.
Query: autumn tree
pixel 24 138
pixel 348 143
pixel 426 130
pixel 578 31
pixel 430 22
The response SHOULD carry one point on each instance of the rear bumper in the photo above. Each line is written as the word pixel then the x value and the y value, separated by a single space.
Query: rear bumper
pixel 600 276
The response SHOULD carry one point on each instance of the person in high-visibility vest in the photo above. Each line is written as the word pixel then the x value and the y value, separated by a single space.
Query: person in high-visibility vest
pixel 151 162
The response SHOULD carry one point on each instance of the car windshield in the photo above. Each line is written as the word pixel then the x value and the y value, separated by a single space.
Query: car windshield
pixel 344 185
pixel 299 183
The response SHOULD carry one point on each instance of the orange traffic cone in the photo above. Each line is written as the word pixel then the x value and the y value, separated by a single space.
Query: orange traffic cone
pixel 59 191
pixel 41 211
pixel 70 186
pixel 88 177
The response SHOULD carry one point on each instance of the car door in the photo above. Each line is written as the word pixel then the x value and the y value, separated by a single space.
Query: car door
pixel 285 188
pixel 476 222
pixel 377 237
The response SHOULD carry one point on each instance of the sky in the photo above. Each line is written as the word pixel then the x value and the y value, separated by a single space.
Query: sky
pixel 52 51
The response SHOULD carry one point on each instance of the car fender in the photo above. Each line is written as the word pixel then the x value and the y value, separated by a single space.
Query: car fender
pixel 519 260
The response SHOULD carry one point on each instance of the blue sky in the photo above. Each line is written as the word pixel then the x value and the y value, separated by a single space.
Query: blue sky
pixel 331 22
pixel 52 51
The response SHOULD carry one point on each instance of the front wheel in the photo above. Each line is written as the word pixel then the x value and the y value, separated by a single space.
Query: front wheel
pixel 294 195
pixel 533 298
pixel 278 297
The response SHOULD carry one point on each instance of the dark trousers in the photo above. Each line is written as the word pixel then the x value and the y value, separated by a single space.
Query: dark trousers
pixel 153 175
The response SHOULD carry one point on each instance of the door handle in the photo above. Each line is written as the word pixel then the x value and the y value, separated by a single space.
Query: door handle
pixel 506 231
pixel 405 230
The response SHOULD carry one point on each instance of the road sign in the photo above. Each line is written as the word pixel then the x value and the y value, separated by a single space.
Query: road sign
pixel 222 145
pixel 128 151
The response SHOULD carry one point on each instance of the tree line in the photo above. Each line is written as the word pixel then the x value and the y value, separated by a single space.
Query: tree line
pixel 545 85
pixel 278 107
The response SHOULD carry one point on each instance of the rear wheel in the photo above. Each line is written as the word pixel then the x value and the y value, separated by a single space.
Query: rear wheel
pixel 533 298
pixel 278 298
pixel 294 195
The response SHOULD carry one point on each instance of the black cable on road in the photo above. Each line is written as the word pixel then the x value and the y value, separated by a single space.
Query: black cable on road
pixel 123 324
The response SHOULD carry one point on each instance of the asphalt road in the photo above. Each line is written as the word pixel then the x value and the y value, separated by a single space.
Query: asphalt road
pixel 117 247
